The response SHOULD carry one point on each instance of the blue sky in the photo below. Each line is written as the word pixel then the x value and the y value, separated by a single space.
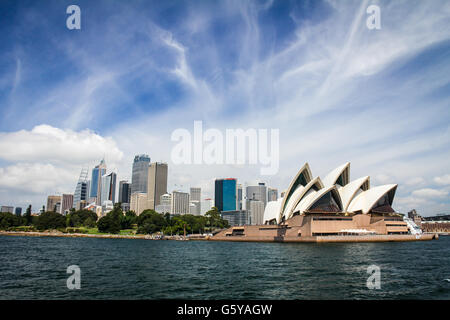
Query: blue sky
pixel 138 70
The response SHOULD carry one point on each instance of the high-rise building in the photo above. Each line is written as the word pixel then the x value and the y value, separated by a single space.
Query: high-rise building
pixel 82 189
pixel 96 182
pixel 196 194
pixel 124 192
pixel 194 207
pixel 81 205
pixel 108 190
pixel 225 194
pixel 206 205
pixel 180 202
pixel 53 203
pixel 7 209
pixel 239 195
pixel 138 202
pixel 139 178
pixel 66 203
pixel 258 192
pixel 256 212
pixel 107 206
pixel 165 204
pixel 18 211
pixel 272 194
pixel 157 183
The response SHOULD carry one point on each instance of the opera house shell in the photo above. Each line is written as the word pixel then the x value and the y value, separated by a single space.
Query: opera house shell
pixel 334 194
pixel 313 208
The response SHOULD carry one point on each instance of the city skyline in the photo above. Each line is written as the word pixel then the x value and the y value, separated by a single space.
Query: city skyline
pixel 120 86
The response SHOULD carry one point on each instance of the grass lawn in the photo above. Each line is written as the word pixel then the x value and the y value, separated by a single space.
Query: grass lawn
pixel 124 232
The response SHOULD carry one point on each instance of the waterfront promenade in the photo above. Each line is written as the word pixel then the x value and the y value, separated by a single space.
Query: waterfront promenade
pixel 220 237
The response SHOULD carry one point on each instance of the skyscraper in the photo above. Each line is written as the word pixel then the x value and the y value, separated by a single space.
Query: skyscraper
pixel 206 205
pixel 96 182
pixel 53 203
pixel 256 212
pixel 272 194
pixel 165 204
pixel 18 211
pixel 108 190
pixel 239 195
pixel 225 194
pixel 258 192
pixel 82 189
pixel 7 209
pixel 196 194
pixel 66 203
pixel 124 192
pixel 139 178
pixel 180 202
pixel 157 183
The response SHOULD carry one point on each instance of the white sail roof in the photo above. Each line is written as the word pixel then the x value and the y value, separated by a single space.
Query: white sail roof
pixel 271 211
pixel 334 175
pixel 366 200
pixel 297 196
pixel 349 191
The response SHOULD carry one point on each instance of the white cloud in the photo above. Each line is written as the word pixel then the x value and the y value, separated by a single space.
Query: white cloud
pixel 414 181
pixel 49 144
pixel 442 180
pixel 48 160
pixel 36 178
pixel 429 193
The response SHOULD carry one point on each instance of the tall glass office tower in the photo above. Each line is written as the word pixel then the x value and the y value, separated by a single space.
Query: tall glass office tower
pixel 96 181
pixel 82 188
pixel 108 191
pixel 225 195
pixel 139 178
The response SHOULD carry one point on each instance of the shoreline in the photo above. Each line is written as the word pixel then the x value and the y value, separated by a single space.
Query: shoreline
pixel 316 239
pixel 85 235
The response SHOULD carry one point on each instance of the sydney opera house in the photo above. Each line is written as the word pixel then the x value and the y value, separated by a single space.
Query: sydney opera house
pixel 329 209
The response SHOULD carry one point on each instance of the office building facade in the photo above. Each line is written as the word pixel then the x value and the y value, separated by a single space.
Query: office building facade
pixel 256 212
pixel 225 194
pixel 124 192
pixel 18 211
pixel 96 182
pixel 139 177
pixel 272 194
pixel 180 202
pixel 157 183
pixel 7 209
pixel 66 203
pixel 108 189
pixel 53 203
pixel 196 194
pixel 236 217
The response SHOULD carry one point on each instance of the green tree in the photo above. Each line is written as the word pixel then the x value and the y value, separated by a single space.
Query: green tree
pixel 111 223
pixel 27 216
pixel 149 221
pixel 128 220
pixel 79 218
pixel 8 220
pixel 215 220
pixel 108 224
pixel 50 220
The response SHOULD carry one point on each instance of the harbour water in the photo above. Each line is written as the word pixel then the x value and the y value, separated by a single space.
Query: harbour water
pixel 35 268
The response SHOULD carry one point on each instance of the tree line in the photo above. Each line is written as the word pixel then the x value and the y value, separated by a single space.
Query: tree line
pixel 148 222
